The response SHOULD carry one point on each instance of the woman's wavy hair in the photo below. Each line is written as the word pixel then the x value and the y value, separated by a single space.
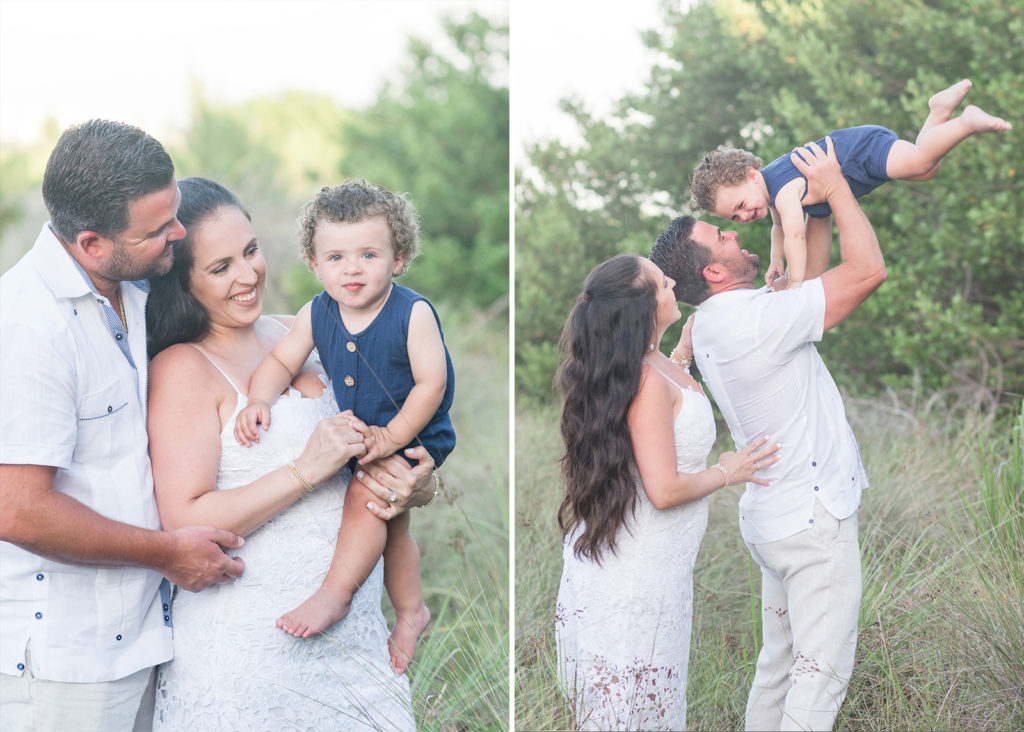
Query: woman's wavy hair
pixel 603 346
pixel 173 314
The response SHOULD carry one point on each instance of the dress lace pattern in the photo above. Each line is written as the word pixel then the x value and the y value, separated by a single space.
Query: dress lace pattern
pixel 623 627
pixel 233 669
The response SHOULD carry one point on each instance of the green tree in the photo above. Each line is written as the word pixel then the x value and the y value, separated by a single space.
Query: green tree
pixel 441 134
pixel 768 75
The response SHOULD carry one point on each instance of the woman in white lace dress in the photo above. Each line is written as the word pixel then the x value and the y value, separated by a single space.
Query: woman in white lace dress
pixel 233 668
pixel 637 431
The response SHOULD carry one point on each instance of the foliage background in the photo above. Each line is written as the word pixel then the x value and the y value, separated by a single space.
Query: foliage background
pixel 768 75
pixel 440 134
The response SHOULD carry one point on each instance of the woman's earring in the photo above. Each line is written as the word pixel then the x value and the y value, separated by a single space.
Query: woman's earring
pixel 650 347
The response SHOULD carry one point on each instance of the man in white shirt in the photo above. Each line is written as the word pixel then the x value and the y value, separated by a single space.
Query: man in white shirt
pixel 84 609
pixel 754 348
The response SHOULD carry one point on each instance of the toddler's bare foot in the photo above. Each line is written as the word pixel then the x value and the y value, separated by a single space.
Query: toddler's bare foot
pixel 981 121
pixel 943 103
pixel 324 608
pixel 402 644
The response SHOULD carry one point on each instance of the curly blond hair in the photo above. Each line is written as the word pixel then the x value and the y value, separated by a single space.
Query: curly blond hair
pixel 356 200
pixel 723 167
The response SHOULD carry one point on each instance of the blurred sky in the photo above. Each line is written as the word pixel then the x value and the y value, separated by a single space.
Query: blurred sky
pixel 574 47
pixel 135 60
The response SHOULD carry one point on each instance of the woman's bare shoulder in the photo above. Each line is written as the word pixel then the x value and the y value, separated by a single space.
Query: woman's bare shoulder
pixel 181 363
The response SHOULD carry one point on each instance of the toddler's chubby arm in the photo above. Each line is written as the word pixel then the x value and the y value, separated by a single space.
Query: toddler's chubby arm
pixel 273 375
pixel 790 214
pixel 776 265
pixel 819 245
pixel 430 374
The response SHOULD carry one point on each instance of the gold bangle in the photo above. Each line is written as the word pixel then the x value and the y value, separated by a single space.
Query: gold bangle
pixel 723 471
pixel 683 361
pixel 437 489
pixel 305 483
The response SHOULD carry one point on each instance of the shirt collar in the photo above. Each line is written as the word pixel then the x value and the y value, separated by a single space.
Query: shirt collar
pixel 61 272
pixel 729 298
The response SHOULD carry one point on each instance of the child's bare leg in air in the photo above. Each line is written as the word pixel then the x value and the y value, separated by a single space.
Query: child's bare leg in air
pixel 940 134
pixel 360 544
pixel 402 580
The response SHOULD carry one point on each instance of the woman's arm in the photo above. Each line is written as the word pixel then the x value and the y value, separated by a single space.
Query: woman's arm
pixel 184 443
pixel 651 429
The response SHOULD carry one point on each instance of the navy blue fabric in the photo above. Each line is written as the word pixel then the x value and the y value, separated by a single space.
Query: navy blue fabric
pixel 862 153
pixel 379 366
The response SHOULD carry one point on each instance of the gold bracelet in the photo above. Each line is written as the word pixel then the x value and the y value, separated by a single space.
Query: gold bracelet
pixel 683 361
pixel 437 489
pixel 723 471
pixel 305 483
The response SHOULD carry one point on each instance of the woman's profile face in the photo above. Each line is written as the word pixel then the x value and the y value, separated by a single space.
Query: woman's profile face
pixel 668 309
pixel 228 269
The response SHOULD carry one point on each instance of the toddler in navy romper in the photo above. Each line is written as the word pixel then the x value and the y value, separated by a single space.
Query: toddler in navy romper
pixel 382 346
pixel 729 182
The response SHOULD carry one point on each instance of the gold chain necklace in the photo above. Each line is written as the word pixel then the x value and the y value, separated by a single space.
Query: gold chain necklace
pixel 124 317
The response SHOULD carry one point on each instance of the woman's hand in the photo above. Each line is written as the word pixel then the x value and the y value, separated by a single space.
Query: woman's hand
pixel 685 346
pixel 412 485
pixel 334 441
pixel 742 466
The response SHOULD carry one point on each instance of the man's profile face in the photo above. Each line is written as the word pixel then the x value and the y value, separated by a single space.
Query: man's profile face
pixel 143 249
pixel 725 250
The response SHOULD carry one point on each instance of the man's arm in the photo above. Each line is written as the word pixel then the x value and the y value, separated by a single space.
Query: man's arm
pixel 862 269
pixel 51 524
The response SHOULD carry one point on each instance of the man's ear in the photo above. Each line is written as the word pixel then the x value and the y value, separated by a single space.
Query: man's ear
pixel 93 245
pixel 714 273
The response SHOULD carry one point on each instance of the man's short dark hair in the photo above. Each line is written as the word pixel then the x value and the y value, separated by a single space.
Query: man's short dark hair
pixel 96 170
pixel 684 260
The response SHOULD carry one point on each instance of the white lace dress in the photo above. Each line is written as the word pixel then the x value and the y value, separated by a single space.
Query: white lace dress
pixel 623 627
pixel 233 669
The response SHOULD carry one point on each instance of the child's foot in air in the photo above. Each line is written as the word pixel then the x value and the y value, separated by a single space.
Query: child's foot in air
pixel 981 121
pixel 402 644
pixel 944 102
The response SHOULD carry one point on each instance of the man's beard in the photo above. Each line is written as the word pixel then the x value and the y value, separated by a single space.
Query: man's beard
pixel 743 267
pixel 123 268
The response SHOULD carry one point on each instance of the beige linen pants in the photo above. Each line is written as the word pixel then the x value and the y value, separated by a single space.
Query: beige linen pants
pixel 810 600
pixel 33 705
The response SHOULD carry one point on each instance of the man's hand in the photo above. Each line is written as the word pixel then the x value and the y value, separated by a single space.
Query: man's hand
pixel 821 169
pixel 197 560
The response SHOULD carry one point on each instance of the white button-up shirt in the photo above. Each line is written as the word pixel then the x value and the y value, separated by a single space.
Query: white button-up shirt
pixel 755 350
pixel 70 398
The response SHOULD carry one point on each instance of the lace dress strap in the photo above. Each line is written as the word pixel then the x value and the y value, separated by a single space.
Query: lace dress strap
pixel 217 366
pixel 669 378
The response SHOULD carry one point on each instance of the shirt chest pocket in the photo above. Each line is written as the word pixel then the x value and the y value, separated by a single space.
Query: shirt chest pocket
pixel 102 419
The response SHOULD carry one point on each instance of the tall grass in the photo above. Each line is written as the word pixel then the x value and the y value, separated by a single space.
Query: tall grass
pixel 460 674
pixel 941 642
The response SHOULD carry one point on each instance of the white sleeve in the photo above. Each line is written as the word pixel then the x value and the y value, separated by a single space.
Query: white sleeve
pixel 38 404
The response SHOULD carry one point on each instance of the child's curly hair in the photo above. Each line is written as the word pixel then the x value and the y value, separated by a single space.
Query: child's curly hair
pixel 724 166
pixel 356 200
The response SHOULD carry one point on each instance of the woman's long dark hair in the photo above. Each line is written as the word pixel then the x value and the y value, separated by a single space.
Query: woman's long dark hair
pixel 603 346
pixel 173 315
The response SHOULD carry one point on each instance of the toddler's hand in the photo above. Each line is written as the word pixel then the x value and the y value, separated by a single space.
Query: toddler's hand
pixel 247 430
pixel 775 271
pixel 379 444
